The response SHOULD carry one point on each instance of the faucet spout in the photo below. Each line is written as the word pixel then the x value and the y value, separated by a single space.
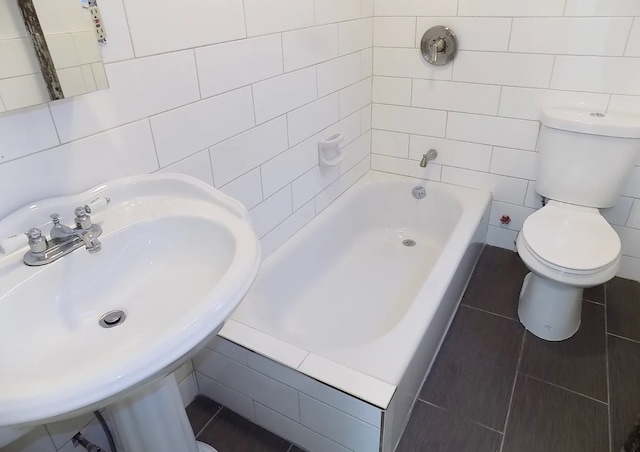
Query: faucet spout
pixel 61 233
pixel 431 155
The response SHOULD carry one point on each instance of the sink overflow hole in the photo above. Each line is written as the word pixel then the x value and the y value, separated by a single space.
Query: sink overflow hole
pixel 409 242
pixel 112 318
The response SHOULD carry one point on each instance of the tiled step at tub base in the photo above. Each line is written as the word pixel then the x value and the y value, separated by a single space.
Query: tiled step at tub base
pixel 290 404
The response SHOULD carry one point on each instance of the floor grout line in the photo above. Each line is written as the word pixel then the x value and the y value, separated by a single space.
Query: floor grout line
pixel 459 415
pixel 564 388
pixel 489 312
pixel 624 338
pixel 209 421
pixel 606 352
pixel 513 390
pixel 593 302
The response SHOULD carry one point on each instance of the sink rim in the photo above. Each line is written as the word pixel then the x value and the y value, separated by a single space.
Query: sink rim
pixel 223 298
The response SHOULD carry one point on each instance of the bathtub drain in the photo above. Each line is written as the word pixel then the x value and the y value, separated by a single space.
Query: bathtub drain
pixel 112 318
pixel 419 192
pixel 409 242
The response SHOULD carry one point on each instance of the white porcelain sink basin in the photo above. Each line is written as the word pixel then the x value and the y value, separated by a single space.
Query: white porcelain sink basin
pixel 177 257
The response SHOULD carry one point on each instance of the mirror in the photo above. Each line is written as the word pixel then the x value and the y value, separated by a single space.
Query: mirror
pixel 49 50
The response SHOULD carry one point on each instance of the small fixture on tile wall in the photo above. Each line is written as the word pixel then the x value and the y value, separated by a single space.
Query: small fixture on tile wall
pixel 505 220
pixel 439 45
pixel 431 155
pixel 329 152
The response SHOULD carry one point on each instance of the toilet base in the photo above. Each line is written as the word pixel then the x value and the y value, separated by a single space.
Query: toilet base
pixel 550 310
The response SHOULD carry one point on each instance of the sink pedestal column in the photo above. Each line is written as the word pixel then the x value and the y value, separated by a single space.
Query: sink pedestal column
pixel 153 419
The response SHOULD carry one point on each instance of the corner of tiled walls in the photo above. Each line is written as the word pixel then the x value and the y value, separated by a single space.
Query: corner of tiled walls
pixel 237 93
pixel 481 112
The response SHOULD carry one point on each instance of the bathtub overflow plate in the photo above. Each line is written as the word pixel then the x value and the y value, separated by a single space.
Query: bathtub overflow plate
pixel 419 192
pixel 112 318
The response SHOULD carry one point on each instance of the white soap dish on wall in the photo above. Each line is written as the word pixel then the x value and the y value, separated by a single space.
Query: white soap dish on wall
pixel 329 152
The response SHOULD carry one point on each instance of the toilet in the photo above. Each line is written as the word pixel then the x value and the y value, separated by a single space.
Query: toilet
pixel 584 161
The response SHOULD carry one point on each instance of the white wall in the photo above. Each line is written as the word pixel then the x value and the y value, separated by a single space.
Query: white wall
pixel 236 93
pixel 480 113
pixel 240 103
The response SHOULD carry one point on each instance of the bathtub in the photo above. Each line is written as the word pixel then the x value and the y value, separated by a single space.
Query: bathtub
pixel 358 300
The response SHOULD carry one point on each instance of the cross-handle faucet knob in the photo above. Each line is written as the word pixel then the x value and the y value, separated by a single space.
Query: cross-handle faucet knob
pixel 37 243
pixel 34 233
pixel 83 220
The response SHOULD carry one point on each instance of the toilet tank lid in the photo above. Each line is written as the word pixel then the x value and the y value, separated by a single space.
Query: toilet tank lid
pixel 592 123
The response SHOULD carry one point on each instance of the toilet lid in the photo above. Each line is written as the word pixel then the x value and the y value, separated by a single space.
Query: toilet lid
pixel 572 237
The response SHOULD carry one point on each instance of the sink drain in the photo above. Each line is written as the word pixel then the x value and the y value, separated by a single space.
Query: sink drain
pixel 409 242
pixel 112 318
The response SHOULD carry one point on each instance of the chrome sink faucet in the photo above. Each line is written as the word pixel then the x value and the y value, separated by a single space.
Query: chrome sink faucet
pixel 63 239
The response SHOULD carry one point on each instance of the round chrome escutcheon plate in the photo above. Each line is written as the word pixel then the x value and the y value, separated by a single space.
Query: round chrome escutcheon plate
pixel 112 318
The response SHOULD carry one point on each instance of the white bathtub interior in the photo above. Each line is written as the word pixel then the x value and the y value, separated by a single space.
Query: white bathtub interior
pixel 321 306
pixel 355 279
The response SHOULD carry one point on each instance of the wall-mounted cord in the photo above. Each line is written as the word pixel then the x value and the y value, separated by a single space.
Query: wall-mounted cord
pixel 107 431
pixel 80 440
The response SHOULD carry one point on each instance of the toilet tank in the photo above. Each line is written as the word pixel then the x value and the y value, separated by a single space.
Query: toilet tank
pixel 586 158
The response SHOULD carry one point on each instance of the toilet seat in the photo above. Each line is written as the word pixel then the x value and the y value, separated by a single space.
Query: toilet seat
pixel 571 239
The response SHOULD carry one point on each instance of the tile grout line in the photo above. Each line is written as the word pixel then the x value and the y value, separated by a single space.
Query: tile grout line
pixel 195 63
pixel 209 421
pixel 623 338
pixel 55 127
pixel 155 146
pixel 489 312
pixel 513 390
pixel 593 302
pixel 510 33
pixel 553 69
pixel 606 353
pixel 626 44
pixel 563 388
pixel 126 19
pixel 461 416
pixel 213 178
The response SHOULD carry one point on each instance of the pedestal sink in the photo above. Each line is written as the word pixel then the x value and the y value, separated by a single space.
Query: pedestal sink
pixel 177 257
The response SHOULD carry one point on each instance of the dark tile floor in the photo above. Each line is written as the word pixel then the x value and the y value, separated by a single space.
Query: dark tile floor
pixel 228 432
pixel 496 388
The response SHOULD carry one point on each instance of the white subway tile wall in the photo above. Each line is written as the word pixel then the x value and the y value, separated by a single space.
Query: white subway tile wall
pixel 481 112
pixel 236 93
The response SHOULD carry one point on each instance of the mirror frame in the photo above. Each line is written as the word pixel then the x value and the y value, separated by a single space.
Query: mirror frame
pixel 49 73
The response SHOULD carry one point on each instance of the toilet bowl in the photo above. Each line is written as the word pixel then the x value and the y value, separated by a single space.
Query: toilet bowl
pixel 567 248
pixel 584 160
